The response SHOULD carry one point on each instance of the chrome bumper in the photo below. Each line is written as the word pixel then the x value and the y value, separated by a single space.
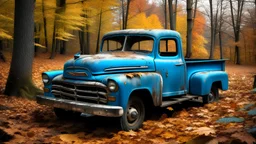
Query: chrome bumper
pixel 89 108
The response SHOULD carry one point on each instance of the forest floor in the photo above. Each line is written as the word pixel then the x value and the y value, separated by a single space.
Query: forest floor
pixel 231 120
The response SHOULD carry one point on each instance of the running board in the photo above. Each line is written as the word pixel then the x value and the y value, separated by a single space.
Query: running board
pixel 178 100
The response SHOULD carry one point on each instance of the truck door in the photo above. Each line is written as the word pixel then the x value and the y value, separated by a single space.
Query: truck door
pixel 170 64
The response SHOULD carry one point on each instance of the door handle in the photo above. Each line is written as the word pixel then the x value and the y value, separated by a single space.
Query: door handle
pixel 179 64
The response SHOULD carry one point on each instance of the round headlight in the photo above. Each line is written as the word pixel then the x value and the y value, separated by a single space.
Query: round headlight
pixel 45 78
pixel 112 86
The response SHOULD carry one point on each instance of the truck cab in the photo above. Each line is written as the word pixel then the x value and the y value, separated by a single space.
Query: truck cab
pixel 134 71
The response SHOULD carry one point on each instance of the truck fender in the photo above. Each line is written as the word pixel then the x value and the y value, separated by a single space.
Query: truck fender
pixel 200 83
pixel 52 74
pixel 147 83
pixel 48 86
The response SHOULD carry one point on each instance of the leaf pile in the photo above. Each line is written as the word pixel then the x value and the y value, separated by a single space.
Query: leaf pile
pixel 228 120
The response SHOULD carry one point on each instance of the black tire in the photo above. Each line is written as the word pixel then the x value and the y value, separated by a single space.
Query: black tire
pixel 212 96
pixel 134 114
pixel 66 114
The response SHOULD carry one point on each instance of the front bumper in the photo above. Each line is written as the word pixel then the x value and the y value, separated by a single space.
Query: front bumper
pixel 89 108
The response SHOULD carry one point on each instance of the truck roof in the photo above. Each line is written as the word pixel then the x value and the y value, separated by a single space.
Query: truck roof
pixel 153 32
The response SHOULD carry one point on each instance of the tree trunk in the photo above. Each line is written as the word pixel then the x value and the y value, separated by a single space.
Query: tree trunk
pixel 55 42
pixel 165 15
pixel 236 23
pixel 87 50
pixel 189 29
pixel 220 31
pixel 194 14
pixel 19 81
pixel 123 27
pixel 212 31
pixel 84 36
pixel 171 15
pixel 62 43
pixel 175 15
pixel 127 13
pixel 1 53
pixel 45 28
pixel 99 31
pixel 81 40
pixel 37 40
pixel 63 47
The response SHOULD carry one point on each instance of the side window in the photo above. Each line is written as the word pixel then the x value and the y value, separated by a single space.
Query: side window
pixel 168 47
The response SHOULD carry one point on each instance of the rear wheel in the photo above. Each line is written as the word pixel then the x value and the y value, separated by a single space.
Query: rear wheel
pixel 66 114
pixel 212 96
pixel 134 114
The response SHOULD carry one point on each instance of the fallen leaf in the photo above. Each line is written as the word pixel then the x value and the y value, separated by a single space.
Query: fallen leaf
pixel 170 108
pixel 157 131
pixel 168 135
pixel 70 138
pixel 204 131
pixel 128 133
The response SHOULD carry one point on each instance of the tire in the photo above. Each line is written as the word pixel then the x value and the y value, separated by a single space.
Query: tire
pixel 212 96
pixel 134 114
pixel 66 114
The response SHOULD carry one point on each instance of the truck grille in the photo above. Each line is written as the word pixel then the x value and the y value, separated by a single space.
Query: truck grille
pixel 91 92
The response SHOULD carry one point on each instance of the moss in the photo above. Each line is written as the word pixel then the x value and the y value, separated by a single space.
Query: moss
pixel 29 90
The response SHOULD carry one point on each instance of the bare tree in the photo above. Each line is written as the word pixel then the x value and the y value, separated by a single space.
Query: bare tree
pixel 236 24
pixel 55 42
pixel 45 28
pixel 194 13
pixel 171 16
pixel 220 28
pixel 175 14
pixel 99 31
pixel 212 30
pixel 19 81
pixel 189 29
pixel 127 13
pixel 165 14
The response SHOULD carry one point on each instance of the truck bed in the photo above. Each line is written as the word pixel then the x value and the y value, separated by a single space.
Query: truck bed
pixel 203 65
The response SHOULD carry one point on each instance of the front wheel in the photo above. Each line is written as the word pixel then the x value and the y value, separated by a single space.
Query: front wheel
pixel 212 96
pixel 134 114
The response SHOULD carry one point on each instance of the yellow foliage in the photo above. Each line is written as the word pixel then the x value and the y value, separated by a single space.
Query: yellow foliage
pixel 141 21
pixel 198 40
pixel 4 35
pixel 6 19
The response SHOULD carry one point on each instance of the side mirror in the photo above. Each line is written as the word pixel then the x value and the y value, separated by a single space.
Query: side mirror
pixel 77 55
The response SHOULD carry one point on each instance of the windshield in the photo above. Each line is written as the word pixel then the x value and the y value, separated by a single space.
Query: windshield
pixel 128 43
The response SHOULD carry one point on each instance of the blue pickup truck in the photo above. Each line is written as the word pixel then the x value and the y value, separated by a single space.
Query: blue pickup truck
pixel 134 71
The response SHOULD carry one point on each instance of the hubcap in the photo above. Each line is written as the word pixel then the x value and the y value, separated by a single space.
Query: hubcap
pixel 132 114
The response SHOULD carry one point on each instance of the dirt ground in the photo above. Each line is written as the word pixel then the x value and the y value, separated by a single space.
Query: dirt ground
pixel 231 120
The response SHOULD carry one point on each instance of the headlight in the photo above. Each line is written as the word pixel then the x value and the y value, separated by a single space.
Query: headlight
pixel 45 78
pixel 112 86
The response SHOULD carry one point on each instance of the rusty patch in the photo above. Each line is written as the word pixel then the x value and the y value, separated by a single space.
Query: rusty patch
pixel 123 54
pixel 132 75
pixel 154 97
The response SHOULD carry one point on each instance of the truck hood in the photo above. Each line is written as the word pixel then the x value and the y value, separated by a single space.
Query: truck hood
pixel 110 62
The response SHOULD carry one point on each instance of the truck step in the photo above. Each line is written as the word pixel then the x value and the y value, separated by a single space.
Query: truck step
pixel 176 100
